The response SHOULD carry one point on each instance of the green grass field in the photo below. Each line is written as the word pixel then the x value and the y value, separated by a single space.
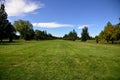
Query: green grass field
pixel 59 60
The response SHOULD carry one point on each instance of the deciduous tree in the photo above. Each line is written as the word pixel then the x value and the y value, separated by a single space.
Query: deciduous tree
pixel 110 33
pixel 25 28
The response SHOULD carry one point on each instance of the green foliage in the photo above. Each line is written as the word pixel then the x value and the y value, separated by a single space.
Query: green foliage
pixel 6 28
pixel 42 35
pixel 59 60
pixel 110 33
pixel 84 34
pixel 71 36
pixel 117 31
pixel 25 28
pixel 101 35
pixel 97 39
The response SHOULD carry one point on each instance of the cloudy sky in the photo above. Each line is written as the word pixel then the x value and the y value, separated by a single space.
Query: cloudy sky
pixel 59 17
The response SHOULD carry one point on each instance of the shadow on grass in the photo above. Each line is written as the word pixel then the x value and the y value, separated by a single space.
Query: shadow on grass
pixel 10 43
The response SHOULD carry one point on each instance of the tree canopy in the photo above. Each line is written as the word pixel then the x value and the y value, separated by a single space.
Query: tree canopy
pixel 110 33
pixel 6 28
pixel 42 35
pixel 71 36
pixel 84 34
pixel 25 28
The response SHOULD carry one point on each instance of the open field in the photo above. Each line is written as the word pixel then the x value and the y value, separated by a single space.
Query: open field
pixel 59 60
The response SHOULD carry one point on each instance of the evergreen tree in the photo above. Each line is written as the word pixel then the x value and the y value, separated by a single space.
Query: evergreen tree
pixel 42 35
pixel 74 35
pixel 71 36
pixel 6 28
pixel 84 34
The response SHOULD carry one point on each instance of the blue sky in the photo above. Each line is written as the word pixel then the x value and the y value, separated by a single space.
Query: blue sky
pixel 59 17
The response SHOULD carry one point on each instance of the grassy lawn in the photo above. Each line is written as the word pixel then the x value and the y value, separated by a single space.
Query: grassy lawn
pixel 59 60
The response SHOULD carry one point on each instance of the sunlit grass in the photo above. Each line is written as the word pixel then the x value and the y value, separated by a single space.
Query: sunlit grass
pixel 59 60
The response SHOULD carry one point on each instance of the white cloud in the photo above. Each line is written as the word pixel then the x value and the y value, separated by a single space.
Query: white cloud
pixel 82 26
pixel 51 25
pixel 19 7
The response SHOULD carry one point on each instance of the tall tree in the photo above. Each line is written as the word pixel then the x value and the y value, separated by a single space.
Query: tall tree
pixel 74 35
pixel 25 28
pixel 110 33
pixel 6 28
pixel 84 34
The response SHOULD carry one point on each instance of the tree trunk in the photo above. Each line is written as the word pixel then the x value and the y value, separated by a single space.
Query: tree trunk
pixel 0 38
pixel 11 38
pixel 112 41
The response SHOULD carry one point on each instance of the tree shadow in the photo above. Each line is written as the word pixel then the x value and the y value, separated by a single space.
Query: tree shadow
pixel 10 43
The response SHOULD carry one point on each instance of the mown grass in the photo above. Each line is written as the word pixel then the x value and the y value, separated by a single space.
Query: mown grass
pixel 59 60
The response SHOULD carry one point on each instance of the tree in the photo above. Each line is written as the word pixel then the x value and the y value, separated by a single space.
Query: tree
pixel 74 36
pixel 65 37
pixel 101 36
pixel 37 34
pixel 6 28
pixel 97 39
pixel 117 31
pixel 110 33
pixel 25 28
pixel 71 36
pixel 42 35
pixel 84 34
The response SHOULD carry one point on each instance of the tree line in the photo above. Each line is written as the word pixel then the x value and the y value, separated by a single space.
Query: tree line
pixel 111 33
pixel 26 31
pixel 25 28
pixel 71 36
